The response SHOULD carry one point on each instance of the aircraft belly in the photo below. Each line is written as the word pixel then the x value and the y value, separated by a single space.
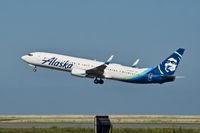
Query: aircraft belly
pixel 117 76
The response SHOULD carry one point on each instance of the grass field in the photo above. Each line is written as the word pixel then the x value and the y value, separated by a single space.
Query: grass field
pixel 89 130
pixel 90 118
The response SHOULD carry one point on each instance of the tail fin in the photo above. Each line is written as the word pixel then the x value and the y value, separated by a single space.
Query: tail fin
pixel 169 65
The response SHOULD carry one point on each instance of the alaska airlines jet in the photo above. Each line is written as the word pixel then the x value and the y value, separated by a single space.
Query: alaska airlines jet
pixel 164 72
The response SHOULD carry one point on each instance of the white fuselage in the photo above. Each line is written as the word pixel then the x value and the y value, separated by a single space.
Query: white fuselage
pixel 68 63
pixel 162 73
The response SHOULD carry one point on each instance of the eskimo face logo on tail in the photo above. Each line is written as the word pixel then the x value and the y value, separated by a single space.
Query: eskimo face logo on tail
pixel 170 65
pixel 55 62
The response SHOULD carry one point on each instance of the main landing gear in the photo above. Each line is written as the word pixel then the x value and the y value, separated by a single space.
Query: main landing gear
pixel 98 81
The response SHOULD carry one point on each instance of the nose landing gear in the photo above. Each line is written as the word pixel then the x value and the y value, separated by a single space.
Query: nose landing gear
pixel 33 66
pixel 98 81
pixel 34 69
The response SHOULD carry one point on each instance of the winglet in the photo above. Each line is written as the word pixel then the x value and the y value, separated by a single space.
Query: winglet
pixel 109 60
pixel 135 63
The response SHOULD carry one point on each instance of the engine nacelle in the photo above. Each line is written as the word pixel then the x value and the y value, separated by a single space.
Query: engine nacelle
pixel 78 72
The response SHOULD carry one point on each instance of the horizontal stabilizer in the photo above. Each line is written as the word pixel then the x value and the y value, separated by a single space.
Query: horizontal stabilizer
pixel 180 77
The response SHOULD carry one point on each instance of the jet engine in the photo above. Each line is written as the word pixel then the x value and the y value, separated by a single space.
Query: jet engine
pixel 78 72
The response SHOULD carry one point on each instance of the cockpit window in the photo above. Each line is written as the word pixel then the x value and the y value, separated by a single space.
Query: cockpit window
pixel 30 54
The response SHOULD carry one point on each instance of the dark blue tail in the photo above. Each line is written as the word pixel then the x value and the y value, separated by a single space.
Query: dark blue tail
pixel 169 65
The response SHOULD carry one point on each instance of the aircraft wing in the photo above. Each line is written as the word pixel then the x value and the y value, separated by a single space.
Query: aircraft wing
pixel 99 70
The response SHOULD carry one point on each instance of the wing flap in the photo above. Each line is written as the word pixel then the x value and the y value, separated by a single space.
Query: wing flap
pixel 97 71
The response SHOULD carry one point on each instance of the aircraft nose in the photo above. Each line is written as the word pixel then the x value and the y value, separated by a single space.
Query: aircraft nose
pixel 24 57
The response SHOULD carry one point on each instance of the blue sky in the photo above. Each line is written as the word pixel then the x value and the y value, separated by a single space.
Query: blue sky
pixel 149 30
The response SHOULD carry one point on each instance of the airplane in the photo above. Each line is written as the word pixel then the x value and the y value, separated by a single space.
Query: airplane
pixel 162 73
